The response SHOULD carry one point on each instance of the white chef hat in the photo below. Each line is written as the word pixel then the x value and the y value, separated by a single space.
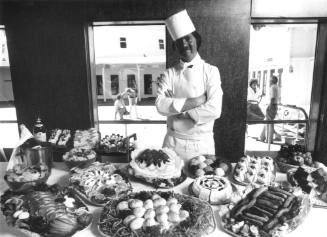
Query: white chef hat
pixel 179 25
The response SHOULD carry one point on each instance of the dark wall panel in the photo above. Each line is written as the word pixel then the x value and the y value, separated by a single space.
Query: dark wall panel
pixel 48 59
pixel 48 65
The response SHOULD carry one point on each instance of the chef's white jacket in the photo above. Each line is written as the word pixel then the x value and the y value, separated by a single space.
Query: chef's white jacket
pixel 188 80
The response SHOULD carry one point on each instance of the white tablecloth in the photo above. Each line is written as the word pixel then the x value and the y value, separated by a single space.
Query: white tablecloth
pixel 315 223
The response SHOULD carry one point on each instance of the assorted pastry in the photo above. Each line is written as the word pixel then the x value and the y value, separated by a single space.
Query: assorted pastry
pixel 208 165
pixel 99 183
pixel 253 169
pixel 79 154
pixel 156 214
pixel 86 138
pixel 212 188
pixel 294 155
pixel 24 173
pixel 45 210
pixel 59 137
pixel 162 168
pixel 114 143
pixel 266 211
pixel 310 181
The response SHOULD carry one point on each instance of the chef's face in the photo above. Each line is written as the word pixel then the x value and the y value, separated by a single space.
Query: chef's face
pixel 187 47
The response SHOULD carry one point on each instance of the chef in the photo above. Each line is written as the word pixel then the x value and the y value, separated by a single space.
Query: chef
pixel 189 93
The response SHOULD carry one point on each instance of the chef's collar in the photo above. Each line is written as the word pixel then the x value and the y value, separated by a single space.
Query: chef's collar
pixel 196 60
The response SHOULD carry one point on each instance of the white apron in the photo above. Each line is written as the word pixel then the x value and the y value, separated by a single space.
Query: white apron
pixel 184 144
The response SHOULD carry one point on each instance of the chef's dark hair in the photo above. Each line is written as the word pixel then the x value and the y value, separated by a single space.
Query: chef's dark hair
pixel 197 37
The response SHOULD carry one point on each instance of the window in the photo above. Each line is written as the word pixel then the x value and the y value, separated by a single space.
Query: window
pixel 161 44
pixel 114 79
pixel 289 58
pixel 99 85
pixel 124 68
pixel 148 84
pixel 8 120
pixel 131 83
pixel 123 43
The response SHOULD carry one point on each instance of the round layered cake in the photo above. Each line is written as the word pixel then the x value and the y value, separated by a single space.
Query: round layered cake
pixel 161 168
pixel 211 188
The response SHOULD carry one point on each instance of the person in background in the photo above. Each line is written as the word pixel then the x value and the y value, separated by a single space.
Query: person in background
pixel 120 107
pixel 132 101
pixel 254 98
pixel 189 93
pixel 268 131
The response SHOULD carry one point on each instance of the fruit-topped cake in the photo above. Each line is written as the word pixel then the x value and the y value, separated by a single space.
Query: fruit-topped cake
pixel 162 168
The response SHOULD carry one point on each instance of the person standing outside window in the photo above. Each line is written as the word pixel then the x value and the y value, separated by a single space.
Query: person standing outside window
pixel 132 101
pixel 271 112
pixel 189 93
pixel 254 98
pixel 120 107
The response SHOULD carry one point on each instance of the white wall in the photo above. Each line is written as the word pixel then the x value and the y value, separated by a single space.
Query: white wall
pixel 289 8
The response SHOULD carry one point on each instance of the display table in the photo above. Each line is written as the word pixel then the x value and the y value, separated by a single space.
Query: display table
pixel 313 225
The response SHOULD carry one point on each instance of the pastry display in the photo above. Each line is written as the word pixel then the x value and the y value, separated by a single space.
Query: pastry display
pixel 114 143
pixel 64 138
pixel 211 188
pixel 46 211
pixel 209 165
pixel 254 170
pixel 311 182
pixel 86 138
pixel 266 211
pixel 162 168
pixel 99 183
pixel 21 177
pixel 54 136
pixel 156 214
pixel 292 156
pixel 23 173
pixel 59 137
pixel 79 156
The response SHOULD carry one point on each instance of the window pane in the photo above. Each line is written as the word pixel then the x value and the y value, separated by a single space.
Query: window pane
pixel 133 67
pixel 99 85
pixel 288 133
pixel 123 43
pixel 131 82
pixel 284 53
pixel 114 84
pixel 9 131
pixel 148 84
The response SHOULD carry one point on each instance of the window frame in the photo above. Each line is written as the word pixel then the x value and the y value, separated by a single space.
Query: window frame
pixel 312 117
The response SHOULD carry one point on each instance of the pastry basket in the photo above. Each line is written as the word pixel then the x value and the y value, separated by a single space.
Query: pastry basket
pixel 117 156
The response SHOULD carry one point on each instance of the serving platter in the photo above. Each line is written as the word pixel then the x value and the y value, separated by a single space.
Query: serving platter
pixel 316 201
pixel 200 221
pixel 99 183
pixel 279 230
pixel 255 183
pixel 45 211
pixel 209 165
